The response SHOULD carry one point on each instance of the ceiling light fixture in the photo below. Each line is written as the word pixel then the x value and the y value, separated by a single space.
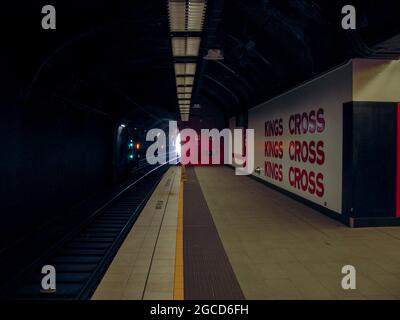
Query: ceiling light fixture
pixel 185 69
pixel 187 17
pixel 185 46
pixel 214 54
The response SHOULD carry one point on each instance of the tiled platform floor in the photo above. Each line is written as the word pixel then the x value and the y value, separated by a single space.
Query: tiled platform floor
pixel 278 248
pixel 208 272
pixel 145 264
pixel 281 249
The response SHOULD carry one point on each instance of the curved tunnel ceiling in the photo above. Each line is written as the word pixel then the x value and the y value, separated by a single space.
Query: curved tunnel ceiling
pixel 271 46
pixel 116 57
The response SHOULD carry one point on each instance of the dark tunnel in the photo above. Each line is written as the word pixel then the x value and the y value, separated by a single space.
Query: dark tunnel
pixel 77 102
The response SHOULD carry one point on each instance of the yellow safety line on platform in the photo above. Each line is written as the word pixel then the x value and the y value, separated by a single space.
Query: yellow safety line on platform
pixel 179 279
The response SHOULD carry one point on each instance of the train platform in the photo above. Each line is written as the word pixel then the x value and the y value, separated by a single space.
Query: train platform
pixel 144 267
pixel 208 234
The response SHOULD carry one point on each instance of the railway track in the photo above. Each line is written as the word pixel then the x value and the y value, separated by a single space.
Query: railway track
pixel 82 257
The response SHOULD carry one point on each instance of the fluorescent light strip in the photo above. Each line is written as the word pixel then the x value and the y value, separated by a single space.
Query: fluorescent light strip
pixel 183 96
pixel 186 16
pixel 185 69
pixel 185 81
pixel 186 96
pixel 185 46
pixel 180 69
pixel 189 81
pixel 177 15
pixel 179 46
pixel 187 103
pixel 184 89
pixel 190 69
pixel 192 46
pixel 180 81
pixel 195 15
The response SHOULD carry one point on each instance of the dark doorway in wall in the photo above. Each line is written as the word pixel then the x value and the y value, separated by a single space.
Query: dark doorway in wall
pixel 369 188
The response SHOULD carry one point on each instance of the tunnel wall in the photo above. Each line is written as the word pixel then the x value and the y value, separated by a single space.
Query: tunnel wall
pixel 56 157
pixel 322 141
